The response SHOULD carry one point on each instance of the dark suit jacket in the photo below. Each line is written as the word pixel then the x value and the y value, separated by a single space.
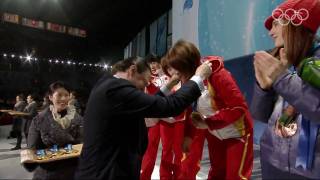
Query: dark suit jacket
pixel 17 121
pixel 115 135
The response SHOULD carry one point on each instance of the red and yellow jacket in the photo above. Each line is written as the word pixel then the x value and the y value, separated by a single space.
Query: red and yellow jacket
pixel 230 116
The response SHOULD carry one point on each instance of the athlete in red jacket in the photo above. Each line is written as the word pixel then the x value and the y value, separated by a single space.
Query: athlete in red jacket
pixel 169 130
pixel 149 158
pixel 223 114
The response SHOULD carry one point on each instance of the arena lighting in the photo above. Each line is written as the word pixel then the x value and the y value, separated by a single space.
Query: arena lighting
pixel 28 58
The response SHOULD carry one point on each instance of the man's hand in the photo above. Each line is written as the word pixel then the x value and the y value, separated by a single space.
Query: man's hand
pixel 204 70
pixel 186 144
pixel 198 121
pixel 174 80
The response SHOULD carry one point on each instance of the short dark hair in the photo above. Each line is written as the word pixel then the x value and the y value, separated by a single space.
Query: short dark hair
pixel 122 66
pixel 21 96
pixel 33 96
pixel 152 58
pixel 56 85
pixel 74 93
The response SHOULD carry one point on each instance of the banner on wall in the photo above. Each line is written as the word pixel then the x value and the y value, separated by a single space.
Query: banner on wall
pixel 138 37
pixel 134 47
pixel 12 18
pixel 141 51
pixel 77 32
pixel 162 35
pixel 153 38
pixel 185 20
pixel 126 52
pixel 56 27
pixel 170 22
pixel 32 23
pixel 169 41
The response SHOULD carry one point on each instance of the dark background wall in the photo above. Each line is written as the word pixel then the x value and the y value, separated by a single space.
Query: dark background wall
pixel 19 76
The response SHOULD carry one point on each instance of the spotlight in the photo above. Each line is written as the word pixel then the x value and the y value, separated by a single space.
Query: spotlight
pixel 12 55
pixel 28 58
pixel 4 55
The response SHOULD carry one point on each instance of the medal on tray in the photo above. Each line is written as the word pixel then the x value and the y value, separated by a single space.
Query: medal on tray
pixel 41 154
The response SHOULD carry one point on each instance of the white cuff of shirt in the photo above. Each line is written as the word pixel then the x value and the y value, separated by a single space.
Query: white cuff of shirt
pixel 197 79
pixel 165 90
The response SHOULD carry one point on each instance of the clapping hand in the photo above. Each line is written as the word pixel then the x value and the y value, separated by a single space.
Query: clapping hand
pixel 268 68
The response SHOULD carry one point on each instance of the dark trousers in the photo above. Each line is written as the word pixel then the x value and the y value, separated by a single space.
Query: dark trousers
pixel 19 138
pixel 16 129
pixel 25 128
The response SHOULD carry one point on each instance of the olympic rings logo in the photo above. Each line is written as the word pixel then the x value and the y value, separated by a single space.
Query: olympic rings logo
pixel 291 15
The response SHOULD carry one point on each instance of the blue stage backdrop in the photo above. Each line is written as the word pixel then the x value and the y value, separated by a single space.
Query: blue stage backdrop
pixel 229 28
pixel 234 28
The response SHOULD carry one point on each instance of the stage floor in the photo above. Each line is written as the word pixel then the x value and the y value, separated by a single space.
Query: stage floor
pixel 10 167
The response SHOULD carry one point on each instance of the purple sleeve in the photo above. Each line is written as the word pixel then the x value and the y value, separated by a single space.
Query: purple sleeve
pixel 262 103
pixel 302 96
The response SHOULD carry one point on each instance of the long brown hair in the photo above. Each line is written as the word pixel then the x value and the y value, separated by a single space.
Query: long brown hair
pixel 275 52
pixel 297 41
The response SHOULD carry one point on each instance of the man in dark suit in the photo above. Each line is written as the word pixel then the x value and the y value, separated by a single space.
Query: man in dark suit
pixel 17 123
pixel 115 134
pixel 31 109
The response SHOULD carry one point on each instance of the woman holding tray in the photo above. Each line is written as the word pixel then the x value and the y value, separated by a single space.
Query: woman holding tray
pixel 57 125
